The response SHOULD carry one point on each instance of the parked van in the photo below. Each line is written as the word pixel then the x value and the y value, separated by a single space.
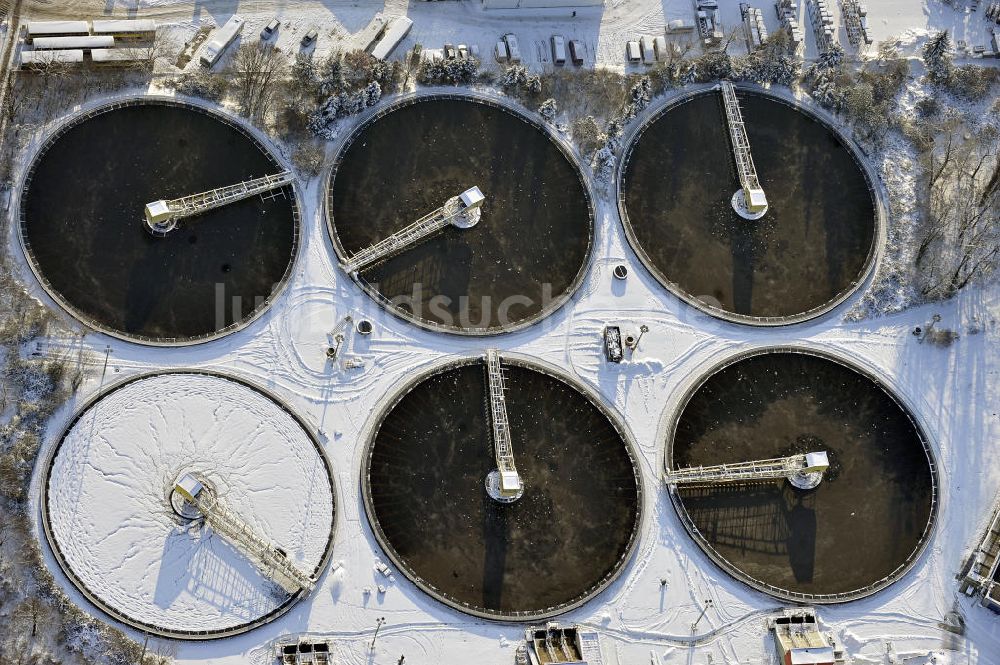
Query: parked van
pixel 632 52
pixel 513 51
pixel 576 51
pixel 270 29
pixel 648 54
pixel 500 52
pixel 558 50
pixel 310 37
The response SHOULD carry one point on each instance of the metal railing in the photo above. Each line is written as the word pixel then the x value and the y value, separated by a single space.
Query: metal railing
pixel 767 469
pixel 195 204
pixel 406 237
pixel 272 562
pixel 498 412
pixel 741 144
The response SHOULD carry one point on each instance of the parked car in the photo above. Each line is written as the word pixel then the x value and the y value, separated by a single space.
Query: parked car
pixel 310 37
pixel 270 29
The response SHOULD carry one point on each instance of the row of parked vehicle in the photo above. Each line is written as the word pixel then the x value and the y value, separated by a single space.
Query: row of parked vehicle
pixel 508 50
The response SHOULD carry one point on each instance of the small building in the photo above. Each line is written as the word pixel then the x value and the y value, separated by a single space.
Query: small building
pixel 394 33
pixel 44 59
pixel 62 43
pixel 800 642
pixel 56 29
pixel 221 40
pixel 128 29
pixel 554 644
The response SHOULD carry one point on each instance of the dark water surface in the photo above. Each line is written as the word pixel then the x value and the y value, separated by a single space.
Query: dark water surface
pixel 811 246
pixel 83 218
pixel 570 531
pixel 864 520
pixel 536 226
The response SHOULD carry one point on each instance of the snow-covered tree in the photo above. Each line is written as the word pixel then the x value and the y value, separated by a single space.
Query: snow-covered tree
pixel 452 72
pixel 603 164
pixel 548 110
pixel 937 58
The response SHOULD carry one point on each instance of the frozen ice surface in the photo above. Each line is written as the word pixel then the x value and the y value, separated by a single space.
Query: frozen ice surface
pixel 110 515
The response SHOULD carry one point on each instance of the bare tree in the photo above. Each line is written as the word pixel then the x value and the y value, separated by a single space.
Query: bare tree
pixel 960 239
pixel 257 68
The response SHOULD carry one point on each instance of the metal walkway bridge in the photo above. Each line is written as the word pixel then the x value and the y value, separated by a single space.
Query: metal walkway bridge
pixel 162 216
pixel 462 211
pixel 268 558
pixel 507 482
pixel 753 196
pixel 803 471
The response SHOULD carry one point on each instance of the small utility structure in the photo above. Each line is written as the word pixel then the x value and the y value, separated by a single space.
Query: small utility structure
pixel 749 201
pixel 503 484
pixel 162 216
pixel 462 211
pixel 802 471
pixel 270 559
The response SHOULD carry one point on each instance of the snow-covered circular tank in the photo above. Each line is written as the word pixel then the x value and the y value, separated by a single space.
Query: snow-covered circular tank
pixel 110 505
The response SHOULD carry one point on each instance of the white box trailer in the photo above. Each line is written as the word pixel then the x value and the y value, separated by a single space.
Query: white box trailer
pixel 513 50
pixel 64 43
pixel 221 40
pixel 56 29
pixel 135 29
pixel 558 50
pixel 42 59
pixel 394 33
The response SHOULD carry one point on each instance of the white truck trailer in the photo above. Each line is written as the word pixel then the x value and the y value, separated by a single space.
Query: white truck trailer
pixel 221 40
pixel 394 33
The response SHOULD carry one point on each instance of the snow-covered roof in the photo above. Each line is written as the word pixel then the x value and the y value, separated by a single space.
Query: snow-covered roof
pixel 29 58
pixel 126 25
pixel 811 656
pixel 88 42
pixel 57 28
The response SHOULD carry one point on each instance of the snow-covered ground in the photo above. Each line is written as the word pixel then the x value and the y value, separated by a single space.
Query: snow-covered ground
pixel 109 488
pixel 603 30
pixel 952 390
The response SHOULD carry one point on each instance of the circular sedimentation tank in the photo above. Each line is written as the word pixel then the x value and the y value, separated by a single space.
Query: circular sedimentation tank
pixel 563 541
pixel 130 543
pixel 521 261
pixel 83 228
pixel 814 246
pixel 859 530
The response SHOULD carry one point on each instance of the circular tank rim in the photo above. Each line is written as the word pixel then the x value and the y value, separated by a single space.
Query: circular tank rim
pixel 814 113
pixel 399 101
pixel 667 429
pixel 153 629
pixel 67 122
pixel 389 402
